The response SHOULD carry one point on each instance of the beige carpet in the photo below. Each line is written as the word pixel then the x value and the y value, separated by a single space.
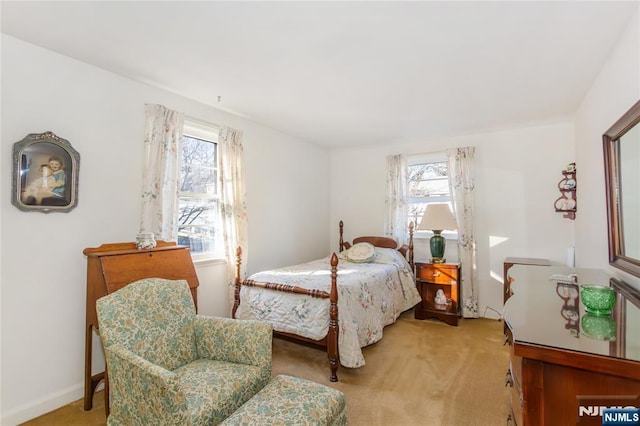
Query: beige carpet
pixel 421 373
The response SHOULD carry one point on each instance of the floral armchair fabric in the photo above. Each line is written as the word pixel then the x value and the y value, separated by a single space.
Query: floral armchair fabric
pixel 168 366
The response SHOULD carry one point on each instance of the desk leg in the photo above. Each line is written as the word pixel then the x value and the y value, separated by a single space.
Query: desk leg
pixel 88 348
pixel 106 393
pixel 90 382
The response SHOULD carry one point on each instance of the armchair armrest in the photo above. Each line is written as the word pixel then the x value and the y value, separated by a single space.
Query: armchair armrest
pixel 232 340
pixel 141 392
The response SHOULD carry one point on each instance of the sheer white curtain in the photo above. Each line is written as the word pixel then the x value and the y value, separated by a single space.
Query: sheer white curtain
pixel 461 181
pixel 161 171
pixel 396 199
pixel 233 209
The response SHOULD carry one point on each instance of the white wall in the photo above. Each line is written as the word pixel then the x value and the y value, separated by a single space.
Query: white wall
pixel 517 175
pixel 615 90
pixel 43 269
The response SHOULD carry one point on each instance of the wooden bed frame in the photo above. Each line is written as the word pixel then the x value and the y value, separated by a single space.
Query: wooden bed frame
pixel 330 341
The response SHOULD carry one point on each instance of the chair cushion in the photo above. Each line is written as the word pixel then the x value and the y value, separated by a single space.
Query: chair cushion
pixel 215 389
pixel 153 318
pixel 292 401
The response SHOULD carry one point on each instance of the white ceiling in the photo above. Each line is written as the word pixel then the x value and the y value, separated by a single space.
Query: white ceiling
pixel 346 73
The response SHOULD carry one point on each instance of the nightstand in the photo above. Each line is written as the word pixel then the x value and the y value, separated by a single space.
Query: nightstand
pixel 431 277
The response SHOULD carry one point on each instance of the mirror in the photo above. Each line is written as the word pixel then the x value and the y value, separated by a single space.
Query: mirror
pixel 622 179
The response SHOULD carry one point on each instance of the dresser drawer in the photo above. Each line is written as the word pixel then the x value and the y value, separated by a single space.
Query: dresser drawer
pixel 516 406
pixel 439 274
pixel 516 399
pixel 515 366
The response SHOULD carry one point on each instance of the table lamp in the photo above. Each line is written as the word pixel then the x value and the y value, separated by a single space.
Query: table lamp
pixel 437 217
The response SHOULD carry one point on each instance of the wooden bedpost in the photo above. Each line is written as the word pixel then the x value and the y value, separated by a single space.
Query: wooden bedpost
pixel 238 282
pixel 411 225
pixel 332 336
pixel 341 231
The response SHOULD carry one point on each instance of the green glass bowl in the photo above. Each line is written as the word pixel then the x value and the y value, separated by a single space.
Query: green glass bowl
pixel 597 299
pixel 599 327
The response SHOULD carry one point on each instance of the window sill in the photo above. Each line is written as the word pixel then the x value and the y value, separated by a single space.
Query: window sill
pixel 206 261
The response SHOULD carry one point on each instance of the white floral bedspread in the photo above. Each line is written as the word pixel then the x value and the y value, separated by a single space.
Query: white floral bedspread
pixel 370 296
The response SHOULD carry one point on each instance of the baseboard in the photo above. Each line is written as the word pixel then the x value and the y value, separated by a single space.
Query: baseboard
pixel 42 406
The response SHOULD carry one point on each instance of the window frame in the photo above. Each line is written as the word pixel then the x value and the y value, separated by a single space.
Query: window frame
pixel 426 158
pixel 196 129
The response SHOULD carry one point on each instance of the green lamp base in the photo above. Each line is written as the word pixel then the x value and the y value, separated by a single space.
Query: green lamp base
pixel 437 244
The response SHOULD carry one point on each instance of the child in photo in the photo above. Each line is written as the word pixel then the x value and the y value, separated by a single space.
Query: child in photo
pixel 41 187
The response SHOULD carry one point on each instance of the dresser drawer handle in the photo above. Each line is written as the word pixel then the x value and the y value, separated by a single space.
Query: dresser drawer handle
pixel 435 273
pixel 509 381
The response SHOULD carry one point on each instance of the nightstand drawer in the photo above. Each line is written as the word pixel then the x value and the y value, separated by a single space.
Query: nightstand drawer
pixel 437 273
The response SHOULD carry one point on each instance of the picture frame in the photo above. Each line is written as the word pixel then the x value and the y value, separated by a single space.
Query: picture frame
pixel 45 174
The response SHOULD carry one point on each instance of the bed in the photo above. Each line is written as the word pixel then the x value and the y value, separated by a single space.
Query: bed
pixel 341 302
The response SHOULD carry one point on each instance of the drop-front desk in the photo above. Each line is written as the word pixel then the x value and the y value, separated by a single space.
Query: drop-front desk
pixel 113 266
pixel 565 362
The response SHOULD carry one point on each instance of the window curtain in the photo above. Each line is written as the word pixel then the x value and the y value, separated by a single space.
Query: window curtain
pixel 461 181
pixel 396 199
pixel 233 209
pixel 161 171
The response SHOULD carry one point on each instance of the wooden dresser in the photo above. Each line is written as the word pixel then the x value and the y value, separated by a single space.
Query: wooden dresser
pixel 111 267
pixel 566 363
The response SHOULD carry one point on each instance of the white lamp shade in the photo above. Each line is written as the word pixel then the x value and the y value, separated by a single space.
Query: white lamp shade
pixel 438 216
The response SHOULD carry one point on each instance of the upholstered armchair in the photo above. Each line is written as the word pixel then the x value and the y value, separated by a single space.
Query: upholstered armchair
pixel 168 366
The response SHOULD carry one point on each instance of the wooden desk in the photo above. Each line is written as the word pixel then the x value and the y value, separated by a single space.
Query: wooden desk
pixel 558 371
pixel 113 266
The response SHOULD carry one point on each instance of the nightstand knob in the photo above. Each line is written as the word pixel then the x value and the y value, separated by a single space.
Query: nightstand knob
pixel 435 273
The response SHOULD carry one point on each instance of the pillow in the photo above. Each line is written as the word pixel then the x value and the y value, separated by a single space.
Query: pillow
pixel 387 255
pixel 361 253
pixel 391 257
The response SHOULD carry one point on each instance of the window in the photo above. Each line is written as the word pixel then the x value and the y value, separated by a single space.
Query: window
pixel 198 217
pixel 428 182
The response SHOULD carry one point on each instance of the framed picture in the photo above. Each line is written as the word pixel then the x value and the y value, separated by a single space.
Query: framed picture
pixel 45 174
